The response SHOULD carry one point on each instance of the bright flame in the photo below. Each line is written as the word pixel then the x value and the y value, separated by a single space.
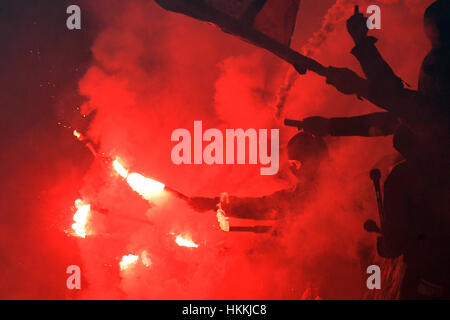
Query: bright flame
pixel 120 169
pixel 183 242
pixel 128 261
pixel 81 217
pixel 144 186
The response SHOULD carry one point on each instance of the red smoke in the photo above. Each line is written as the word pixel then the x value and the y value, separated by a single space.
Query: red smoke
pixel 154 72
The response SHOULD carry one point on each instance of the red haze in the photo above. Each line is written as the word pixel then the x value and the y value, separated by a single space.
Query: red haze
pixel 154 72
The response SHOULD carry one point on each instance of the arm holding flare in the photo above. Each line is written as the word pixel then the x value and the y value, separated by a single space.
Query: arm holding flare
pixel 269 207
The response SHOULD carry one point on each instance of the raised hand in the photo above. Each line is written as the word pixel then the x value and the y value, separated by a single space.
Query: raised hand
pixel 357 26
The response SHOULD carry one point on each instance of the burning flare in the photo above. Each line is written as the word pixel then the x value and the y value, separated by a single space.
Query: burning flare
pixel 128 261
pixel 184 242
pixel 81 217
pixel 120 169
pixel 146 187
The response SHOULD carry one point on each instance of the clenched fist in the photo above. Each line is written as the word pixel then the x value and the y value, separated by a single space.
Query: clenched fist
pixel 357 26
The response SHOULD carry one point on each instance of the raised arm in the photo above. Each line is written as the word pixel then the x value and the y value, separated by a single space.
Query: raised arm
pixel 376 69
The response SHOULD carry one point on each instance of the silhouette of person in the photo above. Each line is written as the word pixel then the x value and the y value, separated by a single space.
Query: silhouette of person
pixel 416 206
pixel 305 152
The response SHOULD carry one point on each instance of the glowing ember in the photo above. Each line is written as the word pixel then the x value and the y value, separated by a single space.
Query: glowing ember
pixel 120 168
pixel 128 261
pixel 81 217
pixel 77 134
pixel 183 242
pixel 146 187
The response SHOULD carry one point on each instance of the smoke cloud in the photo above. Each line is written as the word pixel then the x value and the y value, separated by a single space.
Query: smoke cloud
pixel 153 72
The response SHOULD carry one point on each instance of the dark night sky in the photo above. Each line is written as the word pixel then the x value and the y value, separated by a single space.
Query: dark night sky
pixel 40 60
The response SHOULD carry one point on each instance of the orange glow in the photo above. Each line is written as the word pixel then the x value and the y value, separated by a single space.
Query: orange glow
pixel 81 217
pixel 128 261
pixel 184 242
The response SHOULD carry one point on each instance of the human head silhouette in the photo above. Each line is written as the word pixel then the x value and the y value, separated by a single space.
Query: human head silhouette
pixel 306 152
pixel 434 79
pixel 437 23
